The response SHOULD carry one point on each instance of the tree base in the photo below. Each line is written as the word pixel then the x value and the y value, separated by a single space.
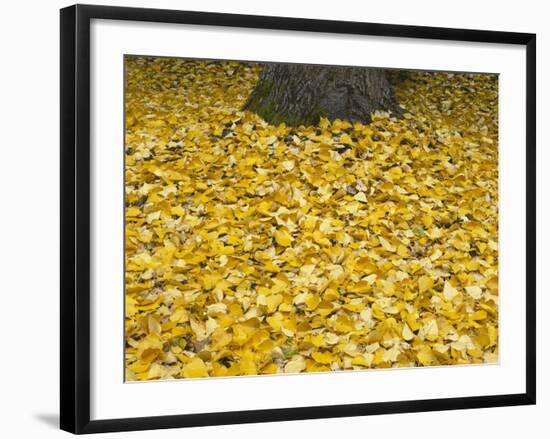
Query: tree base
pixel 301 94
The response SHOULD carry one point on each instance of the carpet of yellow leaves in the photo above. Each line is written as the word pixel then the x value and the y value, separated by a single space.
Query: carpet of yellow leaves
pixel 258 249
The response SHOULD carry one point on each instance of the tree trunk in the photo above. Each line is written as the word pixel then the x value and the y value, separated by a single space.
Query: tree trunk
pixel 302 94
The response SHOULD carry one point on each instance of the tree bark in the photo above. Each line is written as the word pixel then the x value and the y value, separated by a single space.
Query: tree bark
pixel 302 94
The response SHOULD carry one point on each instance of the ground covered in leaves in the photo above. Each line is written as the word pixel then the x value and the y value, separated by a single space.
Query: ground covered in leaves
pixel 259 249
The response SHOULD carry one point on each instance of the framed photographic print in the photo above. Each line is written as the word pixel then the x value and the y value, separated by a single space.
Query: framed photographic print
pixel 269 218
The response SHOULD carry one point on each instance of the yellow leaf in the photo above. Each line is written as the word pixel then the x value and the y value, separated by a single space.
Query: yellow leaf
pixel 273 302
pixel 177 210
pixel 297 364
pixel 430 331
pixel 288 165
pixel 427 221
pixel 322 357
pixel 425 283
pixel 360 196
pixel 479 315
pixel 364 360
pixel 435 255
pixel 425 356
pixel 449 292
pixel 195 369
pixel 474 291
pixel 133 212
pixel 216 309
pixel 283 238
pixel 275 321
pixel 344 324
pixel 387 246
pixel 153 325
pixel 407 333
pixel 402 251
pixel 312 301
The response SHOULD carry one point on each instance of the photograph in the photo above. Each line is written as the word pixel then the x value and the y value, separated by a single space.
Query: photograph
pixel 298 218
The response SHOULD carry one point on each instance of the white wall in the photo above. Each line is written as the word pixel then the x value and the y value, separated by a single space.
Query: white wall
pixel 29 203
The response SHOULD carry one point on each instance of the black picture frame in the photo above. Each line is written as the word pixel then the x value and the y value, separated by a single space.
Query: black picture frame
pixel 75 218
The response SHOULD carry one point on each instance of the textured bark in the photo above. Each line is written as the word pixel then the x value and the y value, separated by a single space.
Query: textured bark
pixel 302 94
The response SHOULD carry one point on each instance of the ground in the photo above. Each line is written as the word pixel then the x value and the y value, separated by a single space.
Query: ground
pixel 260 249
